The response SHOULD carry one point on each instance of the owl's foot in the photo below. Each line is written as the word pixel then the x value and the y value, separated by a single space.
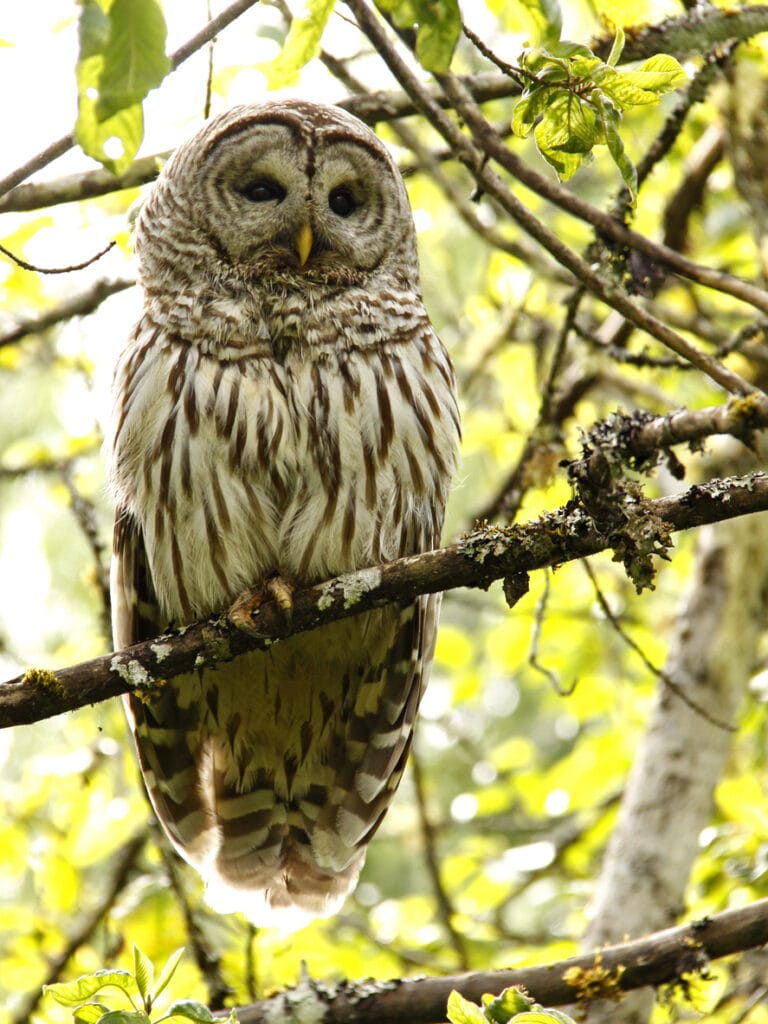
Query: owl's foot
pixel 245 610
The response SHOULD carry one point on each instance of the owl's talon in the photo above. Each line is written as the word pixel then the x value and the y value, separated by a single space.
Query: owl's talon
pixel 281 591
pixel 245 609
pixel 242 612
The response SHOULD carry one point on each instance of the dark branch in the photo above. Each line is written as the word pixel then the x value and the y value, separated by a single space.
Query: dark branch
pixel 487 554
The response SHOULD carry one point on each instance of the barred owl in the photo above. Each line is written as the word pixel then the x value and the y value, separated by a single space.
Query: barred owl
pixel 282 411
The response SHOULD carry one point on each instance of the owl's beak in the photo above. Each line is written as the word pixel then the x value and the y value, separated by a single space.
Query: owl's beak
pixel 303 243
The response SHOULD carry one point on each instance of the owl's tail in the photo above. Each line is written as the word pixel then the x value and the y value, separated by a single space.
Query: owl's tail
pixel 287 900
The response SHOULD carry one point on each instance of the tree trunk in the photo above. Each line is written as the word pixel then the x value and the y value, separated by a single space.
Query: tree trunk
pixel 669 794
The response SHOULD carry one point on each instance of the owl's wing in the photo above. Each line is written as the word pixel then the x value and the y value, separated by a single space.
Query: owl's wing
pixel 165 745
pixel 135 612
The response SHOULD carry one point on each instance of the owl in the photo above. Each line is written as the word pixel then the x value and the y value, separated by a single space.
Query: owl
pixel 283 412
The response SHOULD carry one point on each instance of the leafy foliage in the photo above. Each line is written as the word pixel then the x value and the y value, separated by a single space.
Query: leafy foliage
pixel 437 24
pixel 301 45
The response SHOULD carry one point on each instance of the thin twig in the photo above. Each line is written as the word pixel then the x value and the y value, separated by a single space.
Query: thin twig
pixel 56 270
pixel 660 673
pixel 533 651
pixel 445 908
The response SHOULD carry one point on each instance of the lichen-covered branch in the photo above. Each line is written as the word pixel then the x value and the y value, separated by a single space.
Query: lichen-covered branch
pixel 635 529
pixel 657 959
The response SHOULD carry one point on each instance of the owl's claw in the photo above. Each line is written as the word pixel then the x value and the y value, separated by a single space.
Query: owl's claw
pixel 281 591
pixel 245 609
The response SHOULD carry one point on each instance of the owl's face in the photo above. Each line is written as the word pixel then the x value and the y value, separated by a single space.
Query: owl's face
pixel 286 189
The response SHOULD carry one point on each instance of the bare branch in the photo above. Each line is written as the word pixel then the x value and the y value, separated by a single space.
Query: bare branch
pixel 485 555
pixel 79 305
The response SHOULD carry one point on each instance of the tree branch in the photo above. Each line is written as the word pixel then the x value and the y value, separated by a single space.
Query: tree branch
pixel 66 142
pixel 79 305
pixel 371 107
pixel 657 959
pixel 487 554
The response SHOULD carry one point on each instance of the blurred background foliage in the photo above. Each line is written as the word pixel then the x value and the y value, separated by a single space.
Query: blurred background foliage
pixel 490 854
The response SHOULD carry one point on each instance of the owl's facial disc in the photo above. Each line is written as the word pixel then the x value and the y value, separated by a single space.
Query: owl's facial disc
pixel 323 204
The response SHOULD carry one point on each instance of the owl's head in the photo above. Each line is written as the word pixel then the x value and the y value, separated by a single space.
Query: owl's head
pixel 278 191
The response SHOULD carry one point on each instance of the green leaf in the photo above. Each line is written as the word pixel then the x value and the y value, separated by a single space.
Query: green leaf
pixel 462 1011
pixel 569 125
pixel 616 49
pixel 503 1007
pixel 189 1010
pixel 124 1017
pixel 301 44
pixel 615 145
pixel 145 975
pixel 72 993
pixel 89 1013
pixel 96 137
pixel 134 59
pixel 437 24
pixel 437 35
pixel 113 140
pixel 531 107
pixel 546 21
pixel 167 973
pixel 658 74
pixel 623 89
pixel 565 48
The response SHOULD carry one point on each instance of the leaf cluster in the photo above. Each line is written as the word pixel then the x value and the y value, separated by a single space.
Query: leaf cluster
pixel 573 101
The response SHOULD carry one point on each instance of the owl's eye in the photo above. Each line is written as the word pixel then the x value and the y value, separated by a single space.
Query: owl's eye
pixel 342 201
pixel 263 190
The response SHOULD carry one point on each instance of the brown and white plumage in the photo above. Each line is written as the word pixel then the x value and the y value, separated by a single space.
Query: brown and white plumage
pixel 283 407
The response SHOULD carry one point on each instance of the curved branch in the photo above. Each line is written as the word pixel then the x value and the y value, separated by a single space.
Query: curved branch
pixel 657 959
pixel 487 554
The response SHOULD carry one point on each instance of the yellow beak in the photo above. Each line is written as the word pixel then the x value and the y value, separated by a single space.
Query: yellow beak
pixel 303 243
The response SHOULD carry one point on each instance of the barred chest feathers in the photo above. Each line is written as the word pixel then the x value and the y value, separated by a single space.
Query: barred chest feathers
pixel 303 465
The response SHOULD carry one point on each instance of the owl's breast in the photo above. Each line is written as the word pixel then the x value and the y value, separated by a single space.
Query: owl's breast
pixel 325 460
